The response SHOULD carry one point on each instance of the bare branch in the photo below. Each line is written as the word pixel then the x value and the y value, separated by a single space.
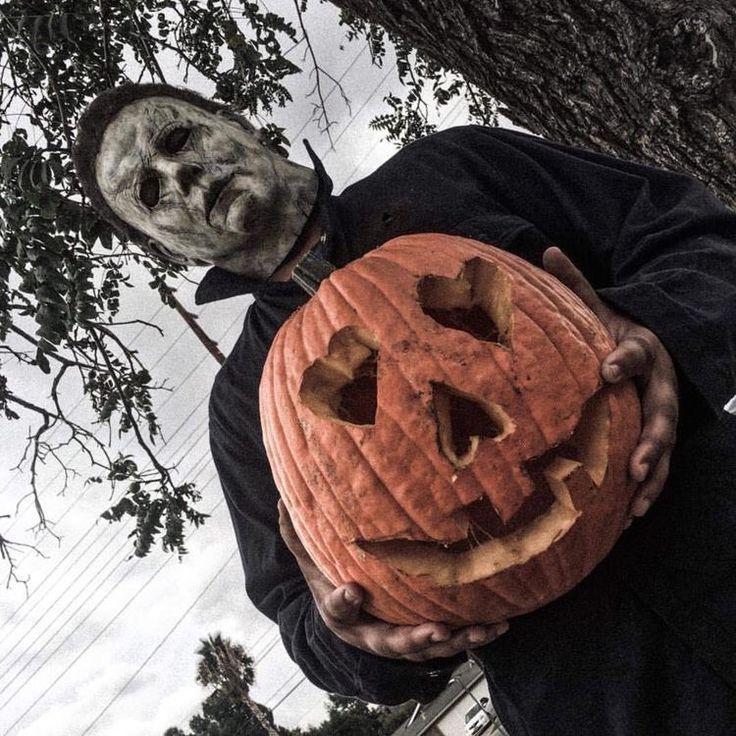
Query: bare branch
pixel 7 546
pixel 129 411
pixel 318 71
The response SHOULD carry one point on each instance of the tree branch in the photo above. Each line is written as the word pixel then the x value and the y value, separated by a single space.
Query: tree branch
pixel 66 129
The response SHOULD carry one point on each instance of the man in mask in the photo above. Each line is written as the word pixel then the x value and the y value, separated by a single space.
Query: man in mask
pixel 645 644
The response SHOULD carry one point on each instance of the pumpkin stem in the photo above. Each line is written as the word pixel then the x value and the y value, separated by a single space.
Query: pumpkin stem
pixel 310 272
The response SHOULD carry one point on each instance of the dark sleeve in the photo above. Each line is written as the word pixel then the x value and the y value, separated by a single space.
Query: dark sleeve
pixel 655 244
pixel 274 582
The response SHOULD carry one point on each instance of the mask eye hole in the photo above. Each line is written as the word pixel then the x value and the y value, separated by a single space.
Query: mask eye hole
pixel 148 191
pixel 176 139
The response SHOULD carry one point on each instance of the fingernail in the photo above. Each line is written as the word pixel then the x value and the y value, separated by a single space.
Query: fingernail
pixel 641 506
pixel 641 472
pixel 350 597
pixel 502 628
pixel 613 372
pixel 477 637
pixel 438 636
pixel 628 522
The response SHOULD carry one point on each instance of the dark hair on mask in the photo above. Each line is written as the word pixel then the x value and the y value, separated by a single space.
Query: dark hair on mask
pixel 91 128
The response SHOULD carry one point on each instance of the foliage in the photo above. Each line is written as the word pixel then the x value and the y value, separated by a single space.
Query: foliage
pixel 228 710
pixel 427 87
pixel 64 273
pixel 353 717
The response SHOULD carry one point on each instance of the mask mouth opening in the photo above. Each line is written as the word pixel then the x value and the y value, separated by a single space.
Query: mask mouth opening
pixel 213 194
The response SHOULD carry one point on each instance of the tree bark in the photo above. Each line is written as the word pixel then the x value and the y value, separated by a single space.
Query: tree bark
pixel 650 80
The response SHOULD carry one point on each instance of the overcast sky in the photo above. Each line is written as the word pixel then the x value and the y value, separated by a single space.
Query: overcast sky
pixel 106 645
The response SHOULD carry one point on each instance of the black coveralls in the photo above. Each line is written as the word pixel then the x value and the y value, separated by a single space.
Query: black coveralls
pixel 646 645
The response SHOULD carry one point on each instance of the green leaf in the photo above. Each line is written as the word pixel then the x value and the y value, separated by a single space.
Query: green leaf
pixel 43 362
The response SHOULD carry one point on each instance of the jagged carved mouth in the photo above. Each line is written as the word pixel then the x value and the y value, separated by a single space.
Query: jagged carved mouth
pixel 561 477
pixel 342 386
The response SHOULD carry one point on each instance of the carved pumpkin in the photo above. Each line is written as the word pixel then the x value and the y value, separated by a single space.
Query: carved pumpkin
pixel 437 427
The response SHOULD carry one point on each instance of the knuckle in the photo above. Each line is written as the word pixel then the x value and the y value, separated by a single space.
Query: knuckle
pixel 640 348
pixel 666 413
pixel 658 445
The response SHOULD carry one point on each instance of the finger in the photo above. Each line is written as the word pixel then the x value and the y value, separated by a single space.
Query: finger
pixel 634 355
pixel 660 411
pixel 293 543
pixel 288 534
pixel 562 268
pixel 342 606
pixel 648 492
pixel 460 641
pixel 429 641
pixel 389 640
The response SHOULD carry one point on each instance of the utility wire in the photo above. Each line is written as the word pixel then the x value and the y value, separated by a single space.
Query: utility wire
pixel 58 580
pixel 298 684
pixel 172 454
pixel 130 600
pixel 171 630
pixel 270 645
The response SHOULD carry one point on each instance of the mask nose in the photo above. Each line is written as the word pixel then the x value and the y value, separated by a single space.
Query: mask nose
pixel 183 175
pixel 188 176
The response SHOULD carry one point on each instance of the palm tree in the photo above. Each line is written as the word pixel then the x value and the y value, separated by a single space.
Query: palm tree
pixel 226 667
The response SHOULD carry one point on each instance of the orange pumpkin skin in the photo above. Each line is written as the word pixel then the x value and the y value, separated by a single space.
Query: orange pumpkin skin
pixel 397 495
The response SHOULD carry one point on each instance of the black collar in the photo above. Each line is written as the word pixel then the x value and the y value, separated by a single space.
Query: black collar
pixel 221 284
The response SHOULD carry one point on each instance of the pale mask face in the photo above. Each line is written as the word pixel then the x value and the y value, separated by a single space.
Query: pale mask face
pixel 202 186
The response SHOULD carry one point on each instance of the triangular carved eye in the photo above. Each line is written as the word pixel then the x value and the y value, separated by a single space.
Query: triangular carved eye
pixel 478 301
pixel 462 422
pixel 342 385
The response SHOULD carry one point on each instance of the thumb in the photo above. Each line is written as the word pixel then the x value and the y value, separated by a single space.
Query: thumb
pixel 564 270
pixel 344 604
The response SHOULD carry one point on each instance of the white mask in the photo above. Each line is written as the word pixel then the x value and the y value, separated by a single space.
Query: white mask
pixel 202 186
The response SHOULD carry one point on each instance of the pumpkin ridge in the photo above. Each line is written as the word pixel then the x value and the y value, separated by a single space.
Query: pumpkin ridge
pixel 349 434
pixel 447 485
pixel 512 595
pixel 324 318
pixel 571 307
pixel 582 392
pixel 295 504
pixel 542 383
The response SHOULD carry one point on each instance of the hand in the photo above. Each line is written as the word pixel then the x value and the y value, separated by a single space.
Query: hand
pixel 341 610
pixel 640 355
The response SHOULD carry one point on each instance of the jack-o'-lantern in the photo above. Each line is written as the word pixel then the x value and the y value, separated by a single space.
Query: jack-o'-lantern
pixel 439 431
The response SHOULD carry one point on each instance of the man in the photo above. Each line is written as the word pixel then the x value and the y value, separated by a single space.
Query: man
pixel 641 646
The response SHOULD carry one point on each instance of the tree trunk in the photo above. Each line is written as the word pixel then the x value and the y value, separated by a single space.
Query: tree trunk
pixel 651 80
pixel 261 717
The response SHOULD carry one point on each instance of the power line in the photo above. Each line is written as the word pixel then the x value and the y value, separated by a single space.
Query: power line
pixel 298 684
pixel 176 431
pixel 98 635
pixel 160 644
pixel 127 572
